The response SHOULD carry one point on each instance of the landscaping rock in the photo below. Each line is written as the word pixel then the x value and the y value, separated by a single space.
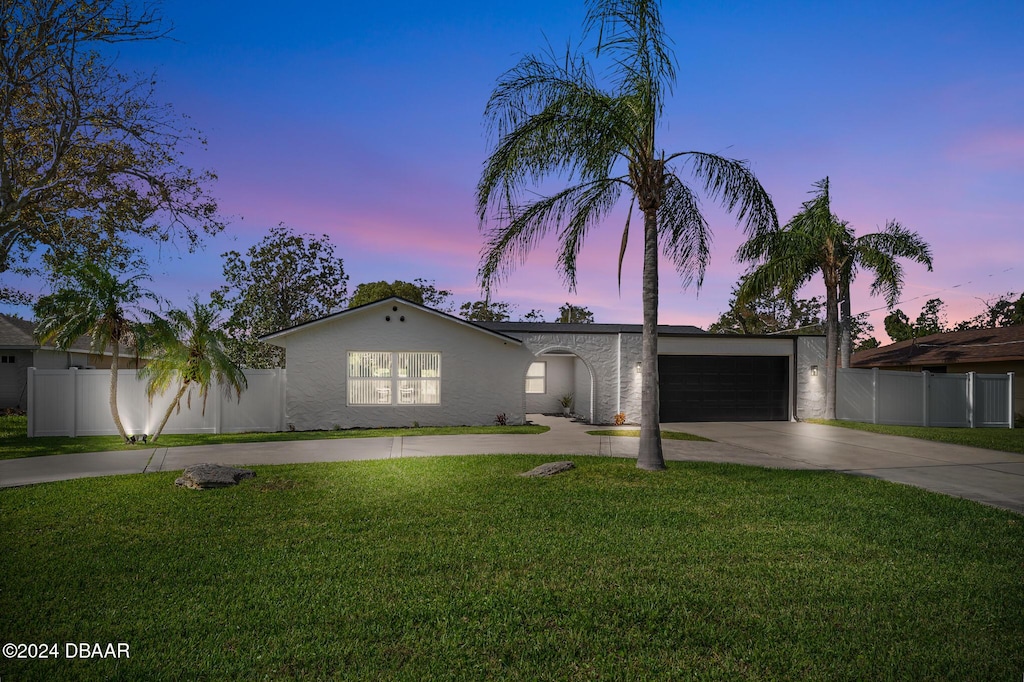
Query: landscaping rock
pixel 550 469
pixel 203 476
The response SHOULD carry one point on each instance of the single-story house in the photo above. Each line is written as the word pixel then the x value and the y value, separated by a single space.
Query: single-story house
pixel 19 350
pixel 986 351
pixel 396 363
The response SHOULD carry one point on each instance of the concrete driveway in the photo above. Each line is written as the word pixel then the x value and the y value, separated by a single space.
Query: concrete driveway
pixel 987 476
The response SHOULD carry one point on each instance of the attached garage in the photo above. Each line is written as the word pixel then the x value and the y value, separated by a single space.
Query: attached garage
pixel 700 388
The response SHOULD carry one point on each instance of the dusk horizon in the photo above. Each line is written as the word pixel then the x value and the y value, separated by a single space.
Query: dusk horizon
pixel 366 124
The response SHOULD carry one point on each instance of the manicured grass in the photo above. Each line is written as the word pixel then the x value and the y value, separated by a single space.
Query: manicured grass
pixel 458 569
pixel 14 441
pixel 635 433
pixel 1008 440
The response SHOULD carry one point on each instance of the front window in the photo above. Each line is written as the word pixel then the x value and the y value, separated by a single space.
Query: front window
pixel 387 378
pixel 536 378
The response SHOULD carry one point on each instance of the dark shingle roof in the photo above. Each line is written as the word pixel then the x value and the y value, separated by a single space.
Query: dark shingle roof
pixel 560 328
pixel 1000 344
pixel 19 334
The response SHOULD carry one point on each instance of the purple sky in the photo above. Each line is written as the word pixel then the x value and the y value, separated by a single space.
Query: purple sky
pixel 365 122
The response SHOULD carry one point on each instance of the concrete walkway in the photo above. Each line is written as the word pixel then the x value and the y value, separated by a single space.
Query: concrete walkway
pixel 987 476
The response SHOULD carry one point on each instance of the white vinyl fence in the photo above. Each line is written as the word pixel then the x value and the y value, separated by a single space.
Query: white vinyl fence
pixel 925 399
pixel 76 402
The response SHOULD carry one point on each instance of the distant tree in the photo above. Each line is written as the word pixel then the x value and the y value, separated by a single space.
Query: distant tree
pixel 898 327
pixel 87 154
pixel 771 313
pixel 284 280
pixel 534 315
pixel 188 350
pixel 931 320
pixel 553 118
pixel 574 314
pixel 485 311
pixel 96 301
pixel 1004 311
pixel 418 291
pixel 861 331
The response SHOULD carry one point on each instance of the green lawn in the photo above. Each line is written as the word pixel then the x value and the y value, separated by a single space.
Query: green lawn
pixel 635 433
pixel 1009 440
pixel 14 441
pixel 456 568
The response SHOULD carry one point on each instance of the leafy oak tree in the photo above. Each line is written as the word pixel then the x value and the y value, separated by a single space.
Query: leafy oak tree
pixel 552 117
pixel 283 280
pixel 87 154
pixel 770 313
pixel 485 311
pixel 418 291
pixel 574 314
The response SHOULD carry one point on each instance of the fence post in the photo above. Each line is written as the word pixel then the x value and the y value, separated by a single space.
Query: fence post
pixel 1009 390
pixel 972 388
pixel 926 381
pixel 218 408
pixel 74 402
pixel 282 396
pixel 874 395
pixel 30 398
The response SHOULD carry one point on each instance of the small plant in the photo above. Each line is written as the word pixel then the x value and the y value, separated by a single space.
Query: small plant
pixel 336 427
pixel 620 418
pixel 566 400
pixel 501 419
pixel 415 425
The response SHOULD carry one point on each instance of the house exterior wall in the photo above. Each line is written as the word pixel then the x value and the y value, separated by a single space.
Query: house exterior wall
pixel 559 382
pixel 810 390
pixel 481 374
pixel 581 387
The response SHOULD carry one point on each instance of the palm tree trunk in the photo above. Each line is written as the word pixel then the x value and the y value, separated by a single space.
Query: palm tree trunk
pixel 846 327
pixel 831 354
pixel 170 408
pixel 114 361
pixel 650 456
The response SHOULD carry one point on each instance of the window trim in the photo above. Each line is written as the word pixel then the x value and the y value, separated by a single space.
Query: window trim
pixel 395 387
pixel 543 377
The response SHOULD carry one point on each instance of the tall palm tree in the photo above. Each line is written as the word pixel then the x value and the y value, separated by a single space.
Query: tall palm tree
pixel 814 241
pixel 189 350
pixel 551 118
pixel 93 301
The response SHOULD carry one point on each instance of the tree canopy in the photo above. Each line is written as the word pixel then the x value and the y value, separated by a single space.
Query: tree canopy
pixel 574 314
pixel 87 154
pixel 418 291
pixel 283 280
pixel 485 311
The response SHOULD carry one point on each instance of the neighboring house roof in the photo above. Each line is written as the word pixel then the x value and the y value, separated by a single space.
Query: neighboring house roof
pixel 390 301
pixel 18 334
pixel 999 344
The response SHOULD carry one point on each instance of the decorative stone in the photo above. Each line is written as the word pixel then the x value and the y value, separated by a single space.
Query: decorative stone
pixel 549 469
pixel 203 476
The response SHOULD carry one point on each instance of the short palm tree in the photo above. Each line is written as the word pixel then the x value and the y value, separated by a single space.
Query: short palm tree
pixel 189 351
pixel 93 301
pixel 814 241
pixel 551 118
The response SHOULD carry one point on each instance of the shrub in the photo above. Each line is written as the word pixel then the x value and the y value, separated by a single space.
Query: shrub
pixel 501 419
pixel 620 419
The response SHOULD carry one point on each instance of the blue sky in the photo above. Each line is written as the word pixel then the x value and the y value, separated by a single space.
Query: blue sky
pixel 364 121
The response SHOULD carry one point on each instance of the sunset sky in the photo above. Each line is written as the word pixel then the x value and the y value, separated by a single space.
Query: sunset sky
pixel 364 121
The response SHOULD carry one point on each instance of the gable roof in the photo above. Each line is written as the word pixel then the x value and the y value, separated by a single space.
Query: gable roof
pixel 19 334
pixel 391 300
pixel 999 344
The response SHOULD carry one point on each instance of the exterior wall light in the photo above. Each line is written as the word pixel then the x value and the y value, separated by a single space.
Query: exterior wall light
pixel 639 368
pixel 814 370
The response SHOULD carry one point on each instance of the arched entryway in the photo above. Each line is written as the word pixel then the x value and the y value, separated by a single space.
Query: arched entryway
pixel 557 372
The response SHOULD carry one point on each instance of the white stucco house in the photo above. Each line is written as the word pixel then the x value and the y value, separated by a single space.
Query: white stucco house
pixel 396 363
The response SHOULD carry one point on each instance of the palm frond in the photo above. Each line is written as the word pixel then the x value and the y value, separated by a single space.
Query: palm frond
pixel 684 233
pixel 736 188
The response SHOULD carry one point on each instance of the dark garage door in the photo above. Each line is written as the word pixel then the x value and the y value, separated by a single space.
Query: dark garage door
pixel 712 388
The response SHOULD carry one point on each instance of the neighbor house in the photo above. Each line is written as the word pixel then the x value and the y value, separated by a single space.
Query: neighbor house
pixel 985 351
pixel 19 350
pixel 397 363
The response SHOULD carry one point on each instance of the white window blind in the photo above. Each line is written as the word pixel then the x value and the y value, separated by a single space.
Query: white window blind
pixel 536 377
pixel 388 378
